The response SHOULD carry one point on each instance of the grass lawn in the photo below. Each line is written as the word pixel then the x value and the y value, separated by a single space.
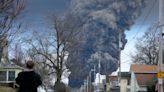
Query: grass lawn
pixel 6 89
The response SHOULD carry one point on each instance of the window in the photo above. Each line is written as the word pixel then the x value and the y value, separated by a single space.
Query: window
pixel 11 75
pixel 3 75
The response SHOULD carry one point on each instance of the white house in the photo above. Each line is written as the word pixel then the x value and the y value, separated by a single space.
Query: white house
pixel 8 73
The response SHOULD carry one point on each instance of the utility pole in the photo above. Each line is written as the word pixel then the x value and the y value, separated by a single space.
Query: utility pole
pixel 160 61
pixel 119 74
pixel 90 81
pixel 94 74
pixel 94 78
pixel 87 84
pixel 99 66
pixel 90 78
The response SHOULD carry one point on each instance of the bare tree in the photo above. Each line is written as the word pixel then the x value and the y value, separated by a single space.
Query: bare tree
pixel 9 10
pixel 54 45
pixel 19 55
pixel 147 47
pixel 42 68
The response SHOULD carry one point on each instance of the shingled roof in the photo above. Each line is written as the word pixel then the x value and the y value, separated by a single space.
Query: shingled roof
pixel 144 73
pixel 142 68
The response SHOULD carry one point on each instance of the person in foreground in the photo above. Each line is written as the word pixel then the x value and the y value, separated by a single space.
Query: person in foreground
pixel 28 80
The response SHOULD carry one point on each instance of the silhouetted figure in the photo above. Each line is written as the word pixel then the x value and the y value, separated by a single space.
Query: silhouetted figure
pixel 28 80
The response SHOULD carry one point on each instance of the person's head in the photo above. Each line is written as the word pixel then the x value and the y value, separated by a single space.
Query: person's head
pixel 30 64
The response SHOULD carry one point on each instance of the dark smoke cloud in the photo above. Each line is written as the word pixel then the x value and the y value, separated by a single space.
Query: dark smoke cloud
pixel 102 21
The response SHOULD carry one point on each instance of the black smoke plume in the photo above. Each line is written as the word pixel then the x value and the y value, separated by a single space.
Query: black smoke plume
pixel 103 21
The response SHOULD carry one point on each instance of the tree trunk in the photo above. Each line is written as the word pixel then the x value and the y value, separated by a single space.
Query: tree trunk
pixel 59 73
pixel 59 86
pixel 1 53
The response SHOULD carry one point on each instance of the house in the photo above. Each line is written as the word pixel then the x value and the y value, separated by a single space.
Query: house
pixel 141 76
pixel 8 73
pixel 113 82
pixel 8 70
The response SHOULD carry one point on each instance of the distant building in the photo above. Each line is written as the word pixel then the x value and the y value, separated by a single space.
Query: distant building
pixel 141 76
pixel 113 83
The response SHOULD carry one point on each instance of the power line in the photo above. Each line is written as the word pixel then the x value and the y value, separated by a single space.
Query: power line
pixel 141 25
pixel 127 61
pixel 125 54
pixel 145 18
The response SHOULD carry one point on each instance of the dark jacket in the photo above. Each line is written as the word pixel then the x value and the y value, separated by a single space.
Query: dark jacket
pixel 28 81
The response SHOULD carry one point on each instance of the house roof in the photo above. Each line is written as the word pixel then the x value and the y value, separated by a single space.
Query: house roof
pixel 9 66
pixel 144 74
pixel 125 74
pixel 141 68
pixel 113 78
pixel 145 79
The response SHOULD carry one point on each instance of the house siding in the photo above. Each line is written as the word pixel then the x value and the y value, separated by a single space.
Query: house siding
pixel 141 76
pixel 7 74
pixel 134 84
